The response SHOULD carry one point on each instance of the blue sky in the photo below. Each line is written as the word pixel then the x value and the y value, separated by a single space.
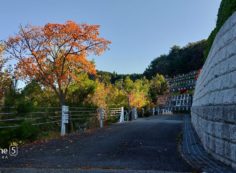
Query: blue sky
pixel 140 30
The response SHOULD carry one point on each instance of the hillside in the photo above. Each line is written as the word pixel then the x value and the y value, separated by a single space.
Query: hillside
pixel 192 57
pixel 178 60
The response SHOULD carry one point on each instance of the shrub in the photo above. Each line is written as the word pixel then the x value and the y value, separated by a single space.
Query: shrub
pixel 24 107
pixel 112 119
pixel 25 132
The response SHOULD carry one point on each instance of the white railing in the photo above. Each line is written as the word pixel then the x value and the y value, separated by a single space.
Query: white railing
pixel 74 117
pixel 65 118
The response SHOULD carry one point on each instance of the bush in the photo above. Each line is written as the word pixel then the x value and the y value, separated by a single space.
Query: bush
pixel 25 132
pixel 6 137
pixel 147 114
pixel 24 107
pixel 112 119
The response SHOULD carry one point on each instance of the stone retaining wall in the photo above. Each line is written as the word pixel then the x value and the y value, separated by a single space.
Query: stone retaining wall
pixel 214 103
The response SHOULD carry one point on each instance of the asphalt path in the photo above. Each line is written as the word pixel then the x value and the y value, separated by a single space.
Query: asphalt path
pixel 147 144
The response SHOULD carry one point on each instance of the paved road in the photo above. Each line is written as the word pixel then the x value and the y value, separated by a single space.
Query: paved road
pixel 144 144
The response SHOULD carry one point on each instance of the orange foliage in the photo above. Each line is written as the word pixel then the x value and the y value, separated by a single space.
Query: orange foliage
pixel 99 97
pixel 137 99
pixel 55 54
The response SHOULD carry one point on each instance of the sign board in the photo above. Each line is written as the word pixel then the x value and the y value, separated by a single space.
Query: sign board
pixel 65 114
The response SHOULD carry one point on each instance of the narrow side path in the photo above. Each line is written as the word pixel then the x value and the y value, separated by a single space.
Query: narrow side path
pixel 196 155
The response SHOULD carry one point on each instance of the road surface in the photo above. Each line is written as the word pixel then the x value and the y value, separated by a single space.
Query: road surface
pixel 143 144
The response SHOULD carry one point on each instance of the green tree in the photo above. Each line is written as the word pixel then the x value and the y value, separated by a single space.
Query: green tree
pixel 116 97
pixel 178 61
pixel 158 86
pixel 136 91
pixel 80 89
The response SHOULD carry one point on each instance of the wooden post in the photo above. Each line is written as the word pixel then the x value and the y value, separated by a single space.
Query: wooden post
pixel 122 116
pixel 64 119
pixel 101 117
pixel 134 113
pixel 153 111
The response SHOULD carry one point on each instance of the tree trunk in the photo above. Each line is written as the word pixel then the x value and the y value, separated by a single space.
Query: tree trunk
pixel 62 99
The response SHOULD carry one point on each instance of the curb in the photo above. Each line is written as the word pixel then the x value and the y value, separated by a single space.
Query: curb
pixel 52 170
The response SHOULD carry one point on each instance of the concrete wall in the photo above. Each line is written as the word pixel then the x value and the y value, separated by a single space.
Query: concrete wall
pixel 214 103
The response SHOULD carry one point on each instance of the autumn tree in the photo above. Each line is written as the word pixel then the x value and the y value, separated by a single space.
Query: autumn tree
pixel 4 74
pixel 116 97
pixel 99 97
pixel 55 54
pixel 139 97
pixel 135 91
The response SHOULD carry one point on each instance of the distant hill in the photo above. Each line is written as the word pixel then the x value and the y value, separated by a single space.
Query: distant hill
pixel 113 77
pixel 178 60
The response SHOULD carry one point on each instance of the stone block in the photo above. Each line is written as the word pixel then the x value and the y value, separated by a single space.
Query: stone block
pixel 219 146
pixel 218 129
pixel 233 152
pixel 228 97
pixel 225 134
pixel 232 133
pixel 233 77
pixel 234 95
pixel 230 47
pixel 229 113
pixel 217 113
pixel 212 144
pixel 227 150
